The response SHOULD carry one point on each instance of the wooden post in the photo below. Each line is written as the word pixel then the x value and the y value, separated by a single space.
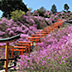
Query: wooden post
pixel 29 47
pixel 6 57
pixel 11 55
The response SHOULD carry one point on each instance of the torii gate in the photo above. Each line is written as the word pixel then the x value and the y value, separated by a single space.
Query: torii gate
pixel 7 40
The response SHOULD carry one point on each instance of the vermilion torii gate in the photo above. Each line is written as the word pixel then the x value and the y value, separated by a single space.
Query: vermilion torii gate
pixel 7 46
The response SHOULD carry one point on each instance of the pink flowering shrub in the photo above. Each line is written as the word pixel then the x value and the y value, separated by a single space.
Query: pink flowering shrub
pixel 39 21
pixel 30 23
pixel 48 14
pixel 53 54
pixel 9 28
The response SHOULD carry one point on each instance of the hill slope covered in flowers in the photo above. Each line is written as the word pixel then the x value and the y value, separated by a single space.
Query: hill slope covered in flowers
pixel 53 54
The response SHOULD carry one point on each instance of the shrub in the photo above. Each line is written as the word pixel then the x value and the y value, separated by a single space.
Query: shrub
pixel 9 28
pixel 53 54
pixel 17 14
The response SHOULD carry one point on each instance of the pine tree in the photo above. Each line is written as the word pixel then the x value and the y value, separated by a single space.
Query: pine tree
pixel 66 7
pixel 53 9
pixel 41 11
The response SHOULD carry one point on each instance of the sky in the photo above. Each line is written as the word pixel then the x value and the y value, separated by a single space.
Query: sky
pixel 36 4
pixel 47 4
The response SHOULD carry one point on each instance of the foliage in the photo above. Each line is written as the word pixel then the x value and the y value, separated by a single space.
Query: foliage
pixel 17 14
pixel 41 11
pixel 53 54
pixel 35 13
pixel 66 7
pixel 7 6
pixel 9 28
pixel 54 10
pixel 30 23
pixel 30 9
pixel 40 22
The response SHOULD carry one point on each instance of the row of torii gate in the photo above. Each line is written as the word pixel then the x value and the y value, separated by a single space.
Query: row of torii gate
pixel 23 46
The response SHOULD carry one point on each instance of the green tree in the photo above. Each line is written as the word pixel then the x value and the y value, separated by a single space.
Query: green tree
pixel 66 7
pixel 53 9
pixel 7 6
pixel 17 14
pixel 41 11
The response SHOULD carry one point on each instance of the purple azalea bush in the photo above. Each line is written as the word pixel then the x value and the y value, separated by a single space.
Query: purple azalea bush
pixel 39 21
pixel 52 17
pixel 9 28
pixel 32 22
pixel 53 54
